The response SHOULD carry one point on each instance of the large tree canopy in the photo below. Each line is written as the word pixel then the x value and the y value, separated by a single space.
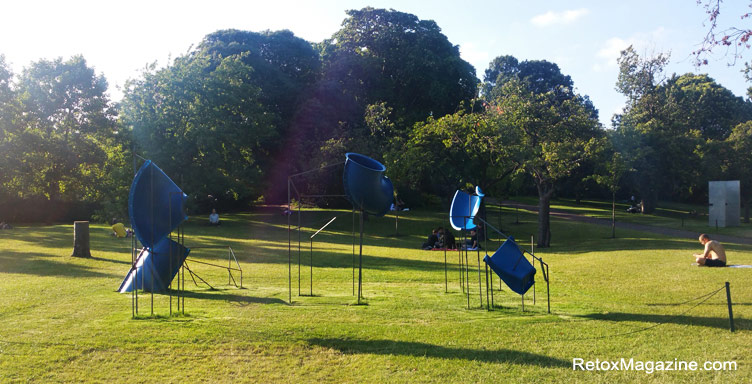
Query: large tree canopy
pixel 204 121
pixel 284 66
pixel 399 59
pixel 68 120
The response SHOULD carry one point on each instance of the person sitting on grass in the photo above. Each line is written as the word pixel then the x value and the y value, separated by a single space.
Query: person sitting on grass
pixel 433 238
pixel 446 239
pixel 714 254
pixel 119 230
pixel 472 242
pixel 214 218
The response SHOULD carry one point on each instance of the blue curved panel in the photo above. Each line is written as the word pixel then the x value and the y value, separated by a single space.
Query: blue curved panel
pixel 155 204
pixel 155 266
pixel 366 186
pixel 464 208
pixel 512 267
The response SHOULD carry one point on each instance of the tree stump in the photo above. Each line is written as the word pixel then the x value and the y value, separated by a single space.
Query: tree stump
pixel 81 239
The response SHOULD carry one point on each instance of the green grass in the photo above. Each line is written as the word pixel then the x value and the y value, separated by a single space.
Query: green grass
pixel 667 215
pixel 62 321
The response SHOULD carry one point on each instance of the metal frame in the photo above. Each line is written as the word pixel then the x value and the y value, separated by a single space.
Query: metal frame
pixel 291 187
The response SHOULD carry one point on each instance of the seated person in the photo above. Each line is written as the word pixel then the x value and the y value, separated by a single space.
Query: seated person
pixel 433 238
pixel 472 242
pixel 214 218
pixel 446 239
pixel 119 230
pixel 714 254
pixel 449 241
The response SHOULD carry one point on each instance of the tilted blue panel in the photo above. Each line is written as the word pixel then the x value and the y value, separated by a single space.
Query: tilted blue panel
pixel 464 208
pixel 155 205
pixel 153 272
pixel 365 184
pixel 511 265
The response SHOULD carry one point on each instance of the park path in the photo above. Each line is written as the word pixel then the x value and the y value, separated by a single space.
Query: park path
pixel 680 233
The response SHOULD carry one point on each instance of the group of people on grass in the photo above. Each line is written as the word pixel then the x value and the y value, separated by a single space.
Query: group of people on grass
pixel 444 239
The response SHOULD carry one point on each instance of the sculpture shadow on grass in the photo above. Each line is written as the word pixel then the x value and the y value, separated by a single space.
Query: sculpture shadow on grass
pixel 650 319
pixel 408 348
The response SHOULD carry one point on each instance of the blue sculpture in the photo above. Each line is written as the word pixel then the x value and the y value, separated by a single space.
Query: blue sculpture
pixel 510 265
pixel 464 208
pixel 366 186
pixel 156 208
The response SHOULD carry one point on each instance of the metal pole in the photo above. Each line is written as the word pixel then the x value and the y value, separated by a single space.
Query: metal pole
pixel 480 285
pixel 151 259
pixel 353 250
pixel 311 266
pixel 300 207
pixel 532 254
pixel 360 260
pixel 728 300
pixel 289 245
pixel 488 303
pixel 548 288
pixel 467 277
pixel 446 279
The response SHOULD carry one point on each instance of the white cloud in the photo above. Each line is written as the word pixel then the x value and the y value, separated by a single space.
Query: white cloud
pixel 643 43
pixel 552 18
pixel 475 55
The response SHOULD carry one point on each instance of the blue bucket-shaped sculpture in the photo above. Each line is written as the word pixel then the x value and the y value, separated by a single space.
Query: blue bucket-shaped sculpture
pixel 510 265
pixel 464 208
pixel 366 185
pixel 155 270
pixel 155 204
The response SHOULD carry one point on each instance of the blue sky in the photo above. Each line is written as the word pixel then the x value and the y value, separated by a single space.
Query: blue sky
pixel 118 38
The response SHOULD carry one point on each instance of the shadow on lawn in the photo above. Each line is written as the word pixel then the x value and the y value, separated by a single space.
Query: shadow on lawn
pixel 233 298
pixel 19 262
pixel 406 348
pixel 712 322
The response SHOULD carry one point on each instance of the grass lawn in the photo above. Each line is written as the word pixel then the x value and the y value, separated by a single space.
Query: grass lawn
pixel 668 215
pixel 62 321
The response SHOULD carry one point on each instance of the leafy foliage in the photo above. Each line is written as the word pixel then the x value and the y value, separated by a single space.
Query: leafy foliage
pixel 204 120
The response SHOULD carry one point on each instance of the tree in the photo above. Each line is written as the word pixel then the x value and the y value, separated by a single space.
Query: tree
pixel 550 128
pixel 9 123
pixel 204 120
pixel 667 126
pixel 394 57
pixel 454 152
pixel 638 80
pixel 68 122
pixel 611 168
pixel 552 136
pixel 740 161
pixel 735 39
pixel 285 66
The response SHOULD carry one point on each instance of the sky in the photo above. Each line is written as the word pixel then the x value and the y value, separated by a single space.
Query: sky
pixel 119 38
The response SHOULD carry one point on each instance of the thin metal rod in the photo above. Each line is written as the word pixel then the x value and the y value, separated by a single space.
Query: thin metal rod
pixel 151 259
pixel 289 245
pixel 480 285
pixel 360 260
pixel 319 196
pixel 322 228
pixel 300 208
pixel 313 170
pixel 532 252
pixel 353 251
pixel 728 300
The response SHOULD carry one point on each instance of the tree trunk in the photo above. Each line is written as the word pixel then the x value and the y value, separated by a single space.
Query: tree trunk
pixel 81 239
pixel 746 211
pixel 544 220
